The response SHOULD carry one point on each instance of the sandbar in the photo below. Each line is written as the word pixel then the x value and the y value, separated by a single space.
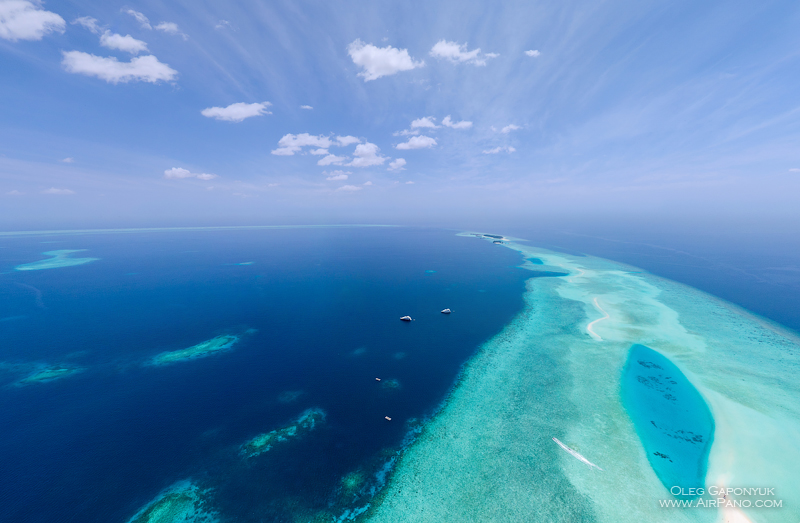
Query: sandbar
pixel 57 260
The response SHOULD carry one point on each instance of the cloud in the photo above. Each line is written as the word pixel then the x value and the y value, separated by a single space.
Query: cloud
pixel 349 188
pixel 143 21
pixel 425 121
pixel 409 182
pixel 380 61
pixel 15 192
pixel 236 112
pixel 366 155
pixel 26 20
pixel 306 107
pixel 332 159
pixel 406 133
pixel 88 23
pixel 496 150
pixel 417 142
pixel 794 170
pixel 55 190
pixel 125 43
pixel 179 173
pixel 508 128
pixel 68 160
pixel 447 122
pixel 365 183
pixel 344 141
pixel 319 152
pixel 337 175
pixel 533 53
pixel 397 165
pixel 142 68
pixel 292 143
pixel 223 24
pixel 172 29
pixel 457 53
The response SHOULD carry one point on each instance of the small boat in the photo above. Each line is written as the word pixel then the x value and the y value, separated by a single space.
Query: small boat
pixel 388 418
pixel 377 379
pixel 406 318
pixel 446 311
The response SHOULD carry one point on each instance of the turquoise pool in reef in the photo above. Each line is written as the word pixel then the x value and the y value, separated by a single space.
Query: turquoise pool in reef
pixel 671 418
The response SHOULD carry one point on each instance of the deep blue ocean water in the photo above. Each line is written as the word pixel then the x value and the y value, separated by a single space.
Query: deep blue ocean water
pixel 671 417
pixel 326 304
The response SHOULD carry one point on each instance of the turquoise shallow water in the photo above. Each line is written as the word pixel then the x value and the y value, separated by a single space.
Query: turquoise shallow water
pixel 671 418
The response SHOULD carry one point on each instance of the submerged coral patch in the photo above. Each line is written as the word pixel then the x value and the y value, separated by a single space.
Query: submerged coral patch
pixel 49 373
pixel 308 421
pixel 201 350
pixel 181 503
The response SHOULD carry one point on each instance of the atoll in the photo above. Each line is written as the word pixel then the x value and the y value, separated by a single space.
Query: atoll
pixel 58 259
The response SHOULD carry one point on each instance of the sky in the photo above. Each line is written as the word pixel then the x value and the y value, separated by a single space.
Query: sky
pixel 150 113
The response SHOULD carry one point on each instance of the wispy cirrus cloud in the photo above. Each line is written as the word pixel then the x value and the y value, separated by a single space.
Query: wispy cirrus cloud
pixel 237 112
pixel 497 150
pixel 179 173
pixel 26 20
pixel 140 17
pixel 380 61
pixel 60 191
pixel 510 127
pixel 142 68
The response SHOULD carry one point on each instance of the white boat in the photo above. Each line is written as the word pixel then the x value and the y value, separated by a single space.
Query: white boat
pixel 575 454
pixel 446 311
pixel 406 318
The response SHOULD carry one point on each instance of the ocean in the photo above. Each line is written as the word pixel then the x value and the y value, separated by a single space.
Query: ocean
pixel 317 313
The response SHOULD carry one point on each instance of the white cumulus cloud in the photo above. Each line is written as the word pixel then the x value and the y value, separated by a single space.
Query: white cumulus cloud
pixel 417 142
pixel 236 112
pixel 508 128
pixel 336 175
pixel 293 143
pixel 319 152
pixel 55 190
pixel 367 155
pixel 344 141
pixel 447 122
pixel 425 121
pixel 88 23
pixel 26 20
pixel 332 159
pixel 365 183
pixel 179 173
pixel 533 53
pixel 397 165
pixel 68 160
pixel 306 107
pixel 142 68
pixel 349 188
pixel 457 53
pixel 143 21
pixel 125 43
pixel 380 61
pixel 496 150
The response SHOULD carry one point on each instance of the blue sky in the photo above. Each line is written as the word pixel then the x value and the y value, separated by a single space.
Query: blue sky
pixel 188 113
